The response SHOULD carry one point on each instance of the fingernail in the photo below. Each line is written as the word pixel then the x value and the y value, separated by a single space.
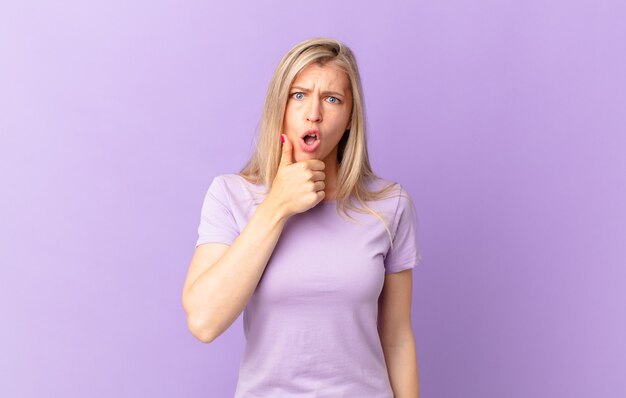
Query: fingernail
pixel 282 139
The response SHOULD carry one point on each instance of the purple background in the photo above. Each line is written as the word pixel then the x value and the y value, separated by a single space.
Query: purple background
pixel 505 121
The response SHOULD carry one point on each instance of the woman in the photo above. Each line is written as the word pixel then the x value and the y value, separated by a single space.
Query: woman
pixel 326 294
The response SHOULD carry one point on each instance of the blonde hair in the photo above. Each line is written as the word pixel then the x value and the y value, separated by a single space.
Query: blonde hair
pixel 353 165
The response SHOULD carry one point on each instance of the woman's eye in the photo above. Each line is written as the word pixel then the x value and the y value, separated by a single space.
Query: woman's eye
pixel 299 94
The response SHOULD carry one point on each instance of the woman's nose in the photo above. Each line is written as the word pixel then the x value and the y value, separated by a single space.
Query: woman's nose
pixel 314 113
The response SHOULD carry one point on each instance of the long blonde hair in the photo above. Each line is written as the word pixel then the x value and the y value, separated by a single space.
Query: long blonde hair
pixel 353 165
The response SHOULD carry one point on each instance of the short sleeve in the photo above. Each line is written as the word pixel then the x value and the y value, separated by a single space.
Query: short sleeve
pixel 405 252
pixel 217 223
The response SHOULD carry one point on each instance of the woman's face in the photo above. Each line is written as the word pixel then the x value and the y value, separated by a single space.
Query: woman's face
pixel 319 98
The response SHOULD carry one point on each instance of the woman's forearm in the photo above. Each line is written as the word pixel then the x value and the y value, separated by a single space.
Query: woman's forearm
pixel 217 297
pixel 401 359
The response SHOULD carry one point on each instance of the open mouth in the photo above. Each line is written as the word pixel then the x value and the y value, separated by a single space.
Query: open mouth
pixel 310 142
pixel 310 139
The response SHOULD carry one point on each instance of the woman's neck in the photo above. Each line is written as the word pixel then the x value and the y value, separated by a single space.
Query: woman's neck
pixel 330 170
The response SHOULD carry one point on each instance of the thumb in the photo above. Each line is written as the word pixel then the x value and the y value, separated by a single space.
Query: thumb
pixel 287 155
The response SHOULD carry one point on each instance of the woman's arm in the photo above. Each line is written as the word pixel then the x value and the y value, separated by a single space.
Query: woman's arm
pixel 217 291
pixel 396 334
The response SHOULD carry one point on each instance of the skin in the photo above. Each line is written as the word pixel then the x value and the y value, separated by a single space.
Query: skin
pixel 396 334
pixel 310 106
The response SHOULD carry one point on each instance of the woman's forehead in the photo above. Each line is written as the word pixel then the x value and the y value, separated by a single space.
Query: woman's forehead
pixel 326 77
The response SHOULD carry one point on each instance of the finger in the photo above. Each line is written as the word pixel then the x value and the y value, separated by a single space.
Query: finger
pixel 286 157
pixel 318 176
pixel 319 186
pixel 316 164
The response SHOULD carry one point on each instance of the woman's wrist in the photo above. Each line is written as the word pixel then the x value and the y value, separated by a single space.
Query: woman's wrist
pixel 276 211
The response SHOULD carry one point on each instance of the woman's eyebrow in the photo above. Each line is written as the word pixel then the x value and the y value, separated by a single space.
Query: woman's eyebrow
pixel 325 92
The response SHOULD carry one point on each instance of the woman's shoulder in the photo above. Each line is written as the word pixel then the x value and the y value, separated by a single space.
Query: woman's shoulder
pixel 383 186
pixel 237 187
pixel 388 193
pixel 230 180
